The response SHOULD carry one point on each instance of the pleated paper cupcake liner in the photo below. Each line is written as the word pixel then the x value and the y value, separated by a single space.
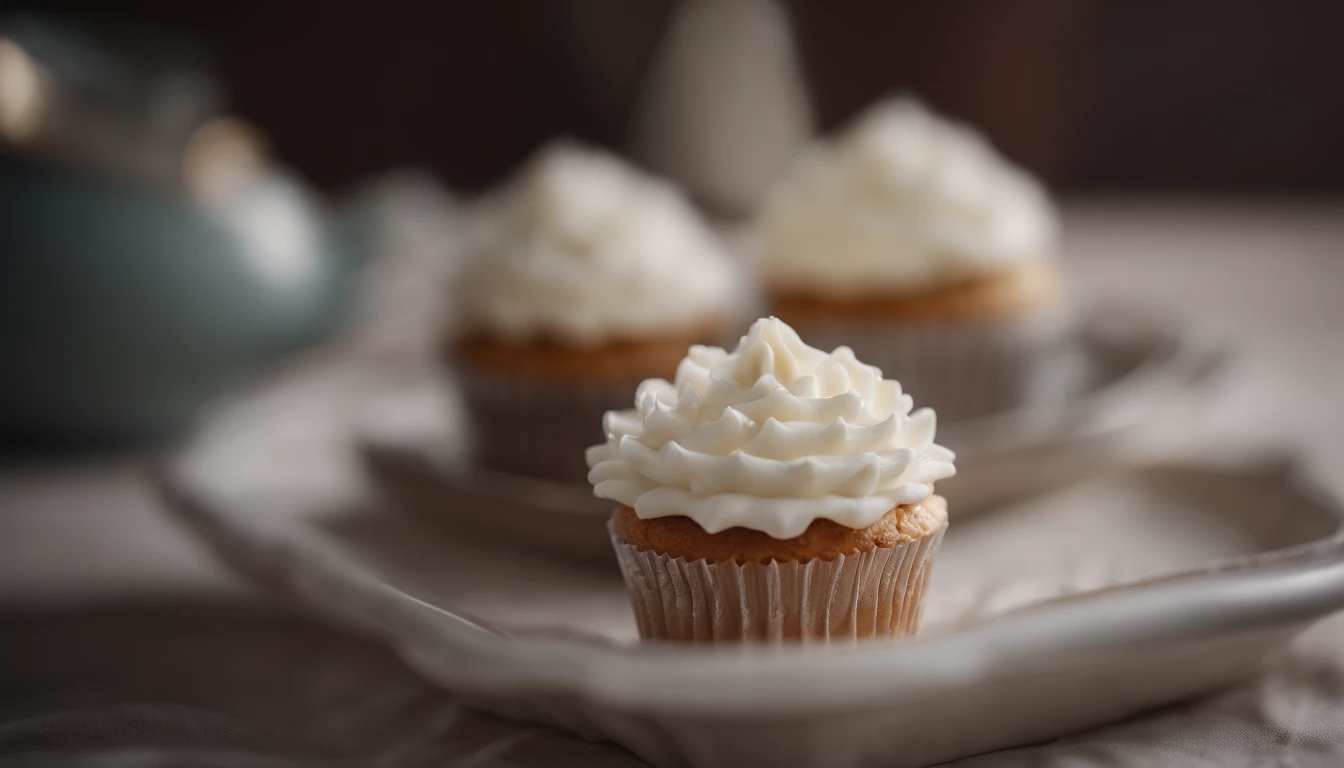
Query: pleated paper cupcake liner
pixel 879 593
pixel 535 427
pixel 961 370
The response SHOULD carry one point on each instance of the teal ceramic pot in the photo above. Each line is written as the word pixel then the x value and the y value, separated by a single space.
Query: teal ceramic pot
pixel 124 310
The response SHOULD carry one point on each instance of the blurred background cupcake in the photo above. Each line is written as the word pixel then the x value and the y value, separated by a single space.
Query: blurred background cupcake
pixel 910 239
pixel 584 276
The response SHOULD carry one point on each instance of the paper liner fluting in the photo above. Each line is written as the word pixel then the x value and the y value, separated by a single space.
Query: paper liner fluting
pixel 960 370
pixel 879 593
pixel 538 428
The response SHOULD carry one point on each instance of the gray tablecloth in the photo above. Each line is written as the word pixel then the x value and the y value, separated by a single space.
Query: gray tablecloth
pixel 123 643
pixel 228 683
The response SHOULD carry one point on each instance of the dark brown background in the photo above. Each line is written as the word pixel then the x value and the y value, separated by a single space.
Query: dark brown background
pixel 1236 95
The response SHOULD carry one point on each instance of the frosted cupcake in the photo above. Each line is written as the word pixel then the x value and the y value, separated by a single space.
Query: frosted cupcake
pixel 910 239
pixel 777 492
pixel 584 276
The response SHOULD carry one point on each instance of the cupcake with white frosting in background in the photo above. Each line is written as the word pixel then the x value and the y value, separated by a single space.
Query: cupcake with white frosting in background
pixel 584 276
pixel 773 493
pixel 909 238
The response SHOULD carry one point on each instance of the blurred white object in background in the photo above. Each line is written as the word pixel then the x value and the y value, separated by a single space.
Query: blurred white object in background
pixel 277 219
pixel 21 93
pixel 724 109
pixel 278 224
pixel 415 226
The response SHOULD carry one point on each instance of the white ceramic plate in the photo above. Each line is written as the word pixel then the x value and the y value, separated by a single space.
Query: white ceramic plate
pixel 1115 375
pixel 1091 604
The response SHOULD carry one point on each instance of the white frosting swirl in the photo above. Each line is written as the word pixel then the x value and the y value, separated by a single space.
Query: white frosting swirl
pixel 584 249
pixel 770 437
pixel 903 201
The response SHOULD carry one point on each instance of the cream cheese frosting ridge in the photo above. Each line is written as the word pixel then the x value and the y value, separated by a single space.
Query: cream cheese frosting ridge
pixel 771 437
pixel 585 249
pixel 902 201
